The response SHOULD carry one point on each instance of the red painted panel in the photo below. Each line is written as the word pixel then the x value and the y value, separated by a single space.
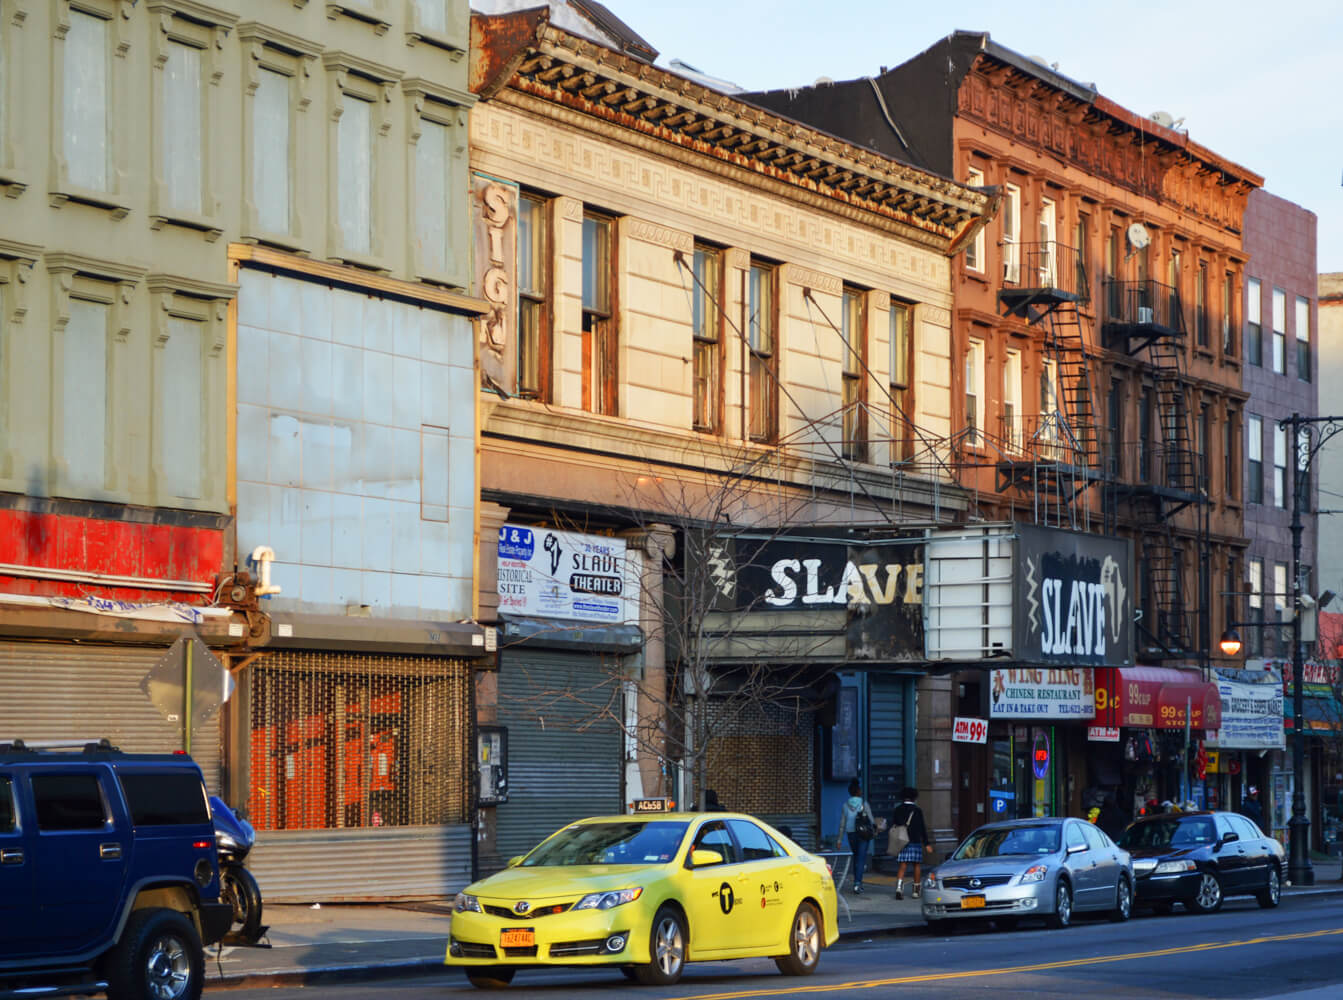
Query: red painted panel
pixel 156 553
pixel 13 544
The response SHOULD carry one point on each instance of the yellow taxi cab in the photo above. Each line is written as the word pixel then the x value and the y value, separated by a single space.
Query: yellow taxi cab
pixel 646 894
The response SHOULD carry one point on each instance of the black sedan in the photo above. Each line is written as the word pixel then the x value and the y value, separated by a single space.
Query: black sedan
pixel 1199 858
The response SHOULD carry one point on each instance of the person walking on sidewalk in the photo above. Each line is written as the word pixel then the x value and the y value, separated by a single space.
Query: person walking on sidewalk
pixel 857 823
pixel 910 816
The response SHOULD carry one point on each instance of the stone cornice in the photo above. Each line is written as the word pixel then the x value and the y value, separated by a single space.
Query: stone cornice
pixel 603 86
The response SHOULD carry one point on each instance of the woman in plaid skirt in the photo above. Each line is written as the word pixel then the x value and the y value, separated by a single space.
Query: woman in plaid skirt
pixel 910 816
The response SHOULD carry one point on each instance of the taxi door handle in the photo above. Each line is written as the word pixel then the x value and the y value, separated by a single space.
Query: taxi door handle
pixel 13 856
pixel 109 852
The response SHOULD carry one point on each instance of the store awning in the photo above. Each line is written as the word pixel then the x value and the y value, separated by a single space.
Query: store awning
pixel 1156 698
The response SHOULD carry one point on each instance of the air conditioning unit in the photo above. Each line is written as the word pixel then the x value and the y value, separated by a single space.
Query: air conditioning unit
pixel 1144 314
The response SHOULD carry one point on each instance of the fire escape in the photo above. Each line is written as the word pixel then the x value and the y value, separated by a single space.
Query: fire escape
pixel 1163 475
pixel 1052 458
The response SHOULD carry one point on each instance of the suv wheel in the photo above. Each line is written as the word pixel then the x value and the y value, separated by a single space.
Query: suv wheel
pixel 159 958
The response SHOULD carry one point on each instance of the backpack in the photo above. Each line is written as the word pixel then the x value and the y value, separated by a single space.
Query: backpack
pixel 862 825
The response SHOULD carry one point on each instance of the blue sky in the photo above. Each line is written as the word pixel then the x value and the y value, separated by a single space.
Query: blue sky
pixel 1257 82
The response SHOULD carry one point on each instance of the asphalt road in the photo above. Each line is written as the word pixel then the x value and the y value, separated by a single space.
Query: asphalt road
pixel 1243 952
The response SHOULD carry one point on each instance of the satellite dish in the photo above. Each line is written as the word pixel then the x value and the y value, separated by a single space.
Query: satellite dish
pixel 822 81
pixel 1163 118
pixel 1138 237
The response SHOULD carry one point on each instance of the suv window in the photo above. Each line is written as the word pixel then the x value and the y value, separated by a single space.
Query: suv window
pixel 68 802
pixel 159 798
pixel 6 804
pixel 755 843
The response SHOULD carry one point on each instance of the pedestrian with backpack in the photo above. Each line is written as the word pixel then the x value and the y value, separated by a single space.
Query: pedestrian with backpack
pixel 908 840
pixel 858 825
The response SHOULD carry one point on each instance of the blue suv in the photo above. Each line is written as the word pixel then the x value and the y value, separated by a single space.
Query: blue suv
pixel 108 875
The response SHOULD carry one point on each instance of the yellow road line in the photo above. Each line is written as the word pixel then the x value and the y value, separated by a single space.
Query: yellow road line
pixel 1073 963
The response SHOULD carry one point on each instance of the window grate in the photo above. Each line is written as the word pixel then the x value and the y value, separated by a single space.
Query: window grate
pixel 348 741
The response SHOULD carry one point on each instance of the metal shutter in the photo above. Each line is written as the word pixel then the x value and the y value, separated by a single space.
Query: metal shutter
pixel 557 772
pixel 887 750
pixel 75 691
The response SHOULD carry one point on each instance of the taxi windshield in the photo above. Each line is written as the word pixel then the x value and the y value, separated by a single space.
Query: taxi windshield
pixel 995 842
pixel 614 843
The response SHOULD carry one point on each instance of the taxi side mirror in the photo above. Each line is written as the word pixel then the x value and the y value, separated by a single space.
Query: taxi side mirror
pixel 702 858
pixel 513 862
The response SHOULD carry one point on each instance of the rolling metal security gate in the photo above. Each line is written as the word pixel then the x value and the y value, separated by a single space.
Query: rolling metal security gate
pixel 69 691
pixel 563 764
pixel 359 770
pixel 889 699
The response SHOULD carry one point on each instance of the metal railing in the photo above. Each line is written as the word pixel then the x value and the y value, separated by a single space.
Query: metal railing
pixel 1156 464
pixel 1049 265
pixel 1043 437
pixel 1146 303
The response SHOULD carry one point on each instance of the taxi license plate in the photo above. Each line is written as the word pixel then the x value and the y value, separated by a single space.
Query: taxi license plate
pixel 517 937
pixel 972 902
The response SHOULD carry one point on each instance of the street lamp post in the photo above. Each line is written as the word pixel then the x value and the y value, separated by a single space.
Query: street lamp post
pixel 1299 869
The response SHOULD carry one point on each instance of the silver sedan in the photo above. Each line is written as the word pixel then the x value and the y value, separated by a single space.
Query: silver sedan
pixel 1047 867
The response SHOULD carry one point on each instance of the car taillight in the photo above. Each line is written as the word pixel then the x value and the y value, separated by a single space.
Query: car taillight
pixel 829 870
pixel 201 844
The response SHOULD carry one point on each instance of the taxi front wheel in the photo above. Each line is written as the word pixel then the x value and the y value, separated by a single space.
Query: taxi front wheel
pixel 804 943
pixel 490 977
pixel 666 950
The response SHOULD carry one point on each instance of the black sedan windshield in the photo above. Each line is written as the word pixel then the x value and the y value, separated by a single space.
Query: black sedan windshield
pixel 613 843
pixel 1174 833
pixel 996 842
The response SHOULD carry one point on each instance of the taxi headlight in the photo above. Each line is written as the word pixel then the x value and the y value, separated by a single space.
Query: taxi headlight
pixel 1035 873
pixel 462 902
pixel 606 900
pixel 1172 867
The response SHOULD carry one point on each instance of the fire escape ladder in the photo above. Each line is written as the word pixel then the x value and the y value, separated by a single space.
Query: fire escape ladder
pixel 1177 459
pixel 1163 559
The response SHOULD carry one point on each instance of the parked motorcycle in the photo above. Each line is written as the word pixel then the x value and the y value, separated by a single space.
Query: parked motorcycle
pixel 234 837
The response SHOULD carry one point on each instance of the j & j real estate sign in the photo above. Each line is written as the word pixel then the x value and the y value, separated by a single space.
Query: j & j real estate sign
pixel 562 574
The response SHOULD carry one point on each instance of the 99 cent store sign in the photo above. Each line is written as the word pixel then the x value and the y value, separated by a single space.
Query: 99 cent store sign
pixel 968 730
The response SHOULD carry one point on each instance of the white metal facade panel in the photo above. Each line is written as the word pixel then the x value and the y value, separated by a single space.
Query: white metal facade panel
pixel 968 594
pixel 318 866
pixel 73 691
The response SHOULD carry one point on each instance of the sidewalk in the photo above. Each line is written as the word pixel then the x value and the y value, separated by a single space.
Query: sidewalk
pixel 347 941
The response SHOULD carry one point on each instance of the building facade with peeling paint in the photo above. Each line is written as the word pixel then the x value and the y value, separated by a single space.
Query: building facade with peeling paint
pixel 235 321
pixel 722 338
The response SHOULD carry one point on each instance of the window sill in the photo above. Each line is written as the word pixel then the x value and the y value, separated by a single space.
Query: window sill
pixel 452 46
pixel 359 12
pixel 452 282
pixel 1205 354
pixel 95 199
pixel 978 276
pixel 12 182
pixel 202 224
pixel 363 261
pixel 280 242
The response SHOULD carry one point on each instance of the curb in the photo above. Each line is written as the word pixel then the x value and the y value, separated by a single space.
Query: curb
pixel 410 968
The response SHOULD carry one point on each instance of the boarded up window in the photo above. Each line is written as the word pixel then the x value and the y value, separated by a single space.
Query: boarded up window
pixel 84 395
pixel 434 464
pixel 431 198
pixel 182 127
pixel 354 155
pixel 751 739
pixel 84 105
pixel 270 151
pixel 432 15
pixel 181 416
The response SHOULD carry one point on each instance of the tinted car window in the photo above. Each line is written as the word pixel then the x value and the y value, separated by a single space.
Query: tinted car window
pixel 68 802
pixel 1244 826
pixel 6 804
pixel 755 843
pixel 165 798
pixel 714 837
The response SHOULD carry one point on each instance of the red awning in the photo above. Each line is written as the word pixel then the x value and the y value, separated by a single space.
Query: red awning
pixel 1155 698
